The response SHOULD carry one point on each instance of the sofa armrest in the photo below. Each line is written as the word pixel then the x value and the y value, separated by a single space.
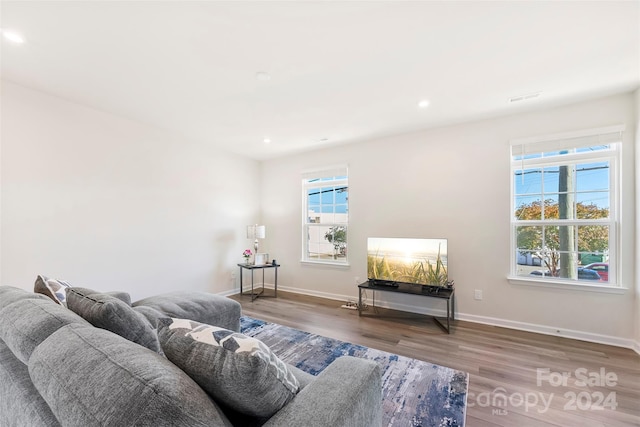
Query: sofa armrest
pixel 347 393
pixel 202 307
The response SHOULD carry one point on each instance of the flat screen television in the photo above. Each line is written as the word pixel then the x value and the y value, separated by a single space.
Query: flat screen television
pixel 407 260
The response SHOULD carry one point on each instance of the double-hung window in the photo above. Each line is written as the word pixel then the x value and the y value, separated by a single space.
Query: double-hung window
pixel 325 218
pixel 564 198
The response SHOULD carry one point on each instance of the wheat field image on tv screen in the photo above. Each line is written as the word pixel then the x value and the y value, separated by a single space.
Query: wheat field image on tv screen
pixel 422 261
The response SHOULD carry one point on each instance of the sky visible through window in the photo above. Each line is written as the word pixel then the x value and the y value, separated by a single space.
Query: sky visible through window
pixel 592 184
pixel 591 179
pixel 330 199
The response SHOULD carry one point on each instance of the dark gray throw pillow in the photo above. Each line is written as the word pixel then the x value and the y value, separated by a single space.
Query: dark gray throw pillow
pixel 239 372
pixel 108 312
pixel 57 290
pixel 122 296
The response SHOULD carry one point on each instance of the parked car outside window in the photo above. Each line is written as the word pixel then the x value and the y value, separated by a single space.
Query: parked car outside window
pixel 602 268
pixel 583 274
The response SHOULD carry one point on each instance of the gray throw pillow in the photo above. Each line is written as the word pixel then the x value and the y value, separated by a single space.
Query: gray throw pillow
pixel 239 372
pixel 108 312
pixel 54 289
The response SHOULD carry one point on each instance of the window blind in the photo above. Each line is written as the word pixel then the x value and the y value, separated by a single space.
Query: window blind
pixel 581 139
pixel 331 171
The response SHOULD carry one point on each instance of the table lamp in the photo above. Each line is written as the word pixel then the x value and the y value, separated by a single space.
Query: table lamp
pixel 256 232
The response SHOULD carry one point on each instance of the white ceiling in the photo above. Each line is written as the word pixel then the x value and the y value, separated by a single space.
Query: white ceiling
pixel 344 70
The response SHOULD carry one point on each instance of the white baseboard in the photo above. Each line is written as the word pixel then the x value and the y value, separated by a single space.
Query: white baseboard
pixel 294 291
pixel 312 293
pixel 549 330
pixel 229 292
pixel 505 323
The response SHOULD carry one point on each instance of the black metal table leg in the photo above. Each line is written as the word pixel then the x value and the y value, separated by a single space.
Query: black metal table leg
pixel 253 296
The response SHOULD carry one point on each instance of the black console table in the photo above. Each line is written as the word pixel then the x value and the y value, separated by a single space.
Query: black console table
pixel 447 294
pixel 252 268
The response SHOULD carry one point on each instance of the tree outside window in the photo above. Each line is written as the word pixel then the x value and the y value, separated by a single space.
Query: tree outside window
pixel 326 216
pixel 563 197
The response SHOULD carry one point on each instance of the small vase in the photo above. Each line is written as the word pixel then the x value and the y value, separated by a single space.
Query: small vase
pixel 246 261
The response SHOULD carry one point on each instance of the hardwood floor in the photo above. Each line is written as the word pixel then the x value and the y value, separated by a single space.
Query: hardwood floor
pixel 500 362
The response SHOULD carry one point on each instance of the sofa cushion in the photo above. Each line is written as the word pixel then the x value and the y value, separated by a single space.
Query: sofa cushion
pixel 304 378
pixel 106 380
pixel 110 313
pixel 25 323
pixel 11 294
pixel 54 289
pixel 199 306
pixel 151 314
pixel 238 371
pixel 20 402
pixel 348 392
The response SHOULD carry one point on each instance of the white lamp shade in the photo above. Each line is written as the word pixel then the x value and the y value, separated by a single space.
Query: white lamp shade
pixel 256 231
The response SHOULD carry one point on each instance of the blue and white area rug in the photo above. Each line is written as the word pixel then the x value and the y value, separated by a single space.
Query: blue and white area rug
pixel 415 393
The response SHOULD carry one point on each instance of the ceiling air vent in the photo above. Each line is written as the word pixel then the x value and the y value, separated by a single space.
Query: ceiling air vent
pixel 524 97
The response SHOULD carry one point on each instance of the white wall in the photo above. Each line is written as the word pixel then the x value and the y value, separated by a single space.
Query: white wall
pixel 108 203
pixel 454 183
pixel 637 234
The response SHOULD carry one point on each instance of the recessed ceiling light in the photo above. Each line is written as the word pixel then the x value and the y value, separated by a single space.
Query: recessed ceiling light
pixel 12 36
pixel 262 76
pixel 266 141
pixel 423 104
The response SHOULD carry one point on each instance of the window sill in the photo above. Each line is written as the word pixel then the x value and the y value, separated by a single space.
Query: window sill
pixel 325 263
pixel 570 285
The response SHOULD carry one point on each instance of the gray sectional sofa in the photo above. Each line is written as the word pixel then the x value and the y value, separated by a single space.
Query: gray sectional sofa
pixel 97 360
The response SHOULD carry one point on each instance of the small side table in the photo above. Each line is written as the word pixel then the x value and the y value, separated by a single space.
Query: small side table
pixel 262 267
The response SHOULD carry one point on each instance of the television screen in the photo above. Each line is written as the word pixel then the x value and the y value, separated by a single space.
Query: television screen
pixel 421 261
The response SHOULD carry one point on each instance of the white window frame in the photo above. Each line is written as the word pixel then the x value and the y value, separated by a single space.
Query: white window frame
pixel 611 135
pixel 308 182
